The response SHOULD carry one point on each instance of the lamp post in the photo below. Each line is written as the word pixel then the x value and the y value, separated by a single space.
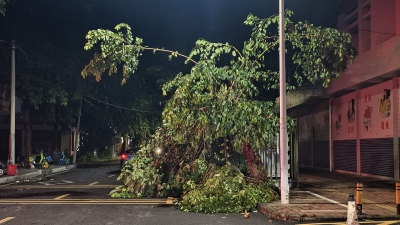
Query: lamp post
pixel 12 110
pixel 282 107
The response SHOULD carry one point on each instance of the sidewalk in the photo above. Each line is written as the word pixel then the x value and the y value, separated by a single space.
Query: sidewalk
pixel 25 174
pixel 322 196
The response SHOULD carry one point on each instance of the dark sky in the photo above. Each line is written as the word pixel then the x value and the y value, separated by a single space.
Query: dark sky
pixel 172 23
pixel 168 22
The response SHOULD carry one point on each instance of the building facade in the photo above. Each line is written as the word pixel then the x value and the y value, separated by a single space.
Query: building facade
pixel 353 125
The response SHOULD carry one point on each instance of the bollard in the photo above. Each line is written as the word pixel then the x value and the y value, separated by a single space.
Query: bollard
pixel 352 218
pixel 359 198
pixel 398 197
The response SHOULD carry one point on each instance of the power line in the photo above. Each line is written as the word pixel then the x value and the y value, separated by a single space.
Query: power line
pixel 15 46
pixel 94 105
pixel 136 110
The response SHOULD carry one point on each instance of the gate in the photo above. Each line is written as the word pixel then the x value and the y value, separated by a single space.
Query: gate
pixel 270 156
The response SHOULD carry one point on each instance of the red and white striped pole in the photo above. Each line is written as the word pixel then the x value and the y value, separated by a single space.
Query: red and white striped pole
pixel 282 106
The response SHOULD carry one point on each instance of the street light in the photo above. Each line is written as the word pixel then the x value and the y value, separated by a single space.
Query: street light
pixel 282 107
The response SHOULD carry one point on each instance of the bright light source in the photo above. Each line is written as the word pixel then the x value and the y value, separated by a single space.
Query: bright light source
pixel 158 150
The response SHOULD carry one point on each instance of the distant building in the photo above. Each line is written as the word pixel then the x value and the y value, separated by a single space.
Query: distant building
pixel 353 126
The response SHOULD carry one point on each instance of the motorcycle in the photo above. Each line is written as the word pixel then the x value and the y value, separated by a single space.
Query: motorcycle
pixel 2 166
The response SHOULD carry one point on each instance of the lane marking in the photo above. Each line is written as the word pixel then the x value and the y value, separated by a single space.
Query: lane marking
pixel 327 199
pixel 88 201
pixel 62 196
pixel 321 210
pixel 58 173
pixel 6 219
pixel 111 176
pixel 390 208
pixel 33 178
pixel 330 200
pixel 55 182
pixel 94 183
pixel 3 185
pixel 389 222
pixel 84 203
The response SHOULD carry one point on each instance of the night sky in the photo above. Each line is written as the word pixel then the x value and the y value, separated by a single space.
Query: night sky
pixel 52 33
pixel 172 24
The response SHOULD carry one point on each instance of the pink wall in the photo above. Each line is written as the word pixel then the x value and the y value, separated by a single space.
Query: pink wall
pixel 376 109
pixel 344 117
pixel 383 21
pixel 397 16
pixel 380 60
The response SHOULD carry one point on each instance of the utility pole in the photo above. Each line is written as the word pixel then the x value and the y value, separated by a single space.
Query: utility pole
pixel 77 133
pixel 282 106
pixel 12 111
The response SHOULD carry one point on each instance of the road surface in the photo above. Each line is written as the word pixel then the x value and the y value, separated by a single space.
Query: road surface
pixel 81 197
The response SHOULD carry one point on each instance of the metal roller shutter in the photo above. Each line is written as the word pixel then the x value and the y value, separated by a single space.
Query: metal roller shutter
pixel 377 156
pixel 345 155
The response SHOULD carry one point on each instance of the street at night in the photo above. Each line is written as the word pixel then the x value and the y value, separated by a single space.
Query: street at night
pixel 209 111
pixel 81 197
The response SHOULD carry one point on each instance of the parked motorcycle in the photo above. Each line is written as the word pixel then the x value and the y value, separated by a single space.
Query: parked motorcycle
pixel 2 166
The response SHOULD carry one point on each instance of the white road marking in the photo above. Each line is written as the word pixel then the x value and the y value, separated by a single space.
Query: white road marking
pixel 317 210
pixel 326 199
pixel 55 182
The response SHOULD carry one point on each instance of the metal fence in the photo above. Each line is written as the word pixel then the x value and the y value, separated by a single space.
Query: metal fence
pixel 270 156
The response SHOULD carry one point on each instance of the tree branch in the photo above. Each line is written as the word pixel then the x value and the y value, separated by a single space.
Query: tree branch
pixel 164 50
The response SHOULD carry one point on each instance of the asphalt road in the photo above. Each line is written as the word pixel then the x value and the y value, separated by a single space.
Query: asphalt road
pixel 81 197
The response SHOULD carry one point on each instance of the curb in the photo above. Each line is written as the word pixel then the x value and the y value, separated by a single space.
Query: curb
pixel 10 179
pixel 284 216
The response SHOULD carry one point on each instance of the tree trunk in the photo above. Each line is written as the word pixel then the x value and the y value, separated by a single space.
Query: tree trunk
pixel 254 162
pixel 55 129
pixel 55 137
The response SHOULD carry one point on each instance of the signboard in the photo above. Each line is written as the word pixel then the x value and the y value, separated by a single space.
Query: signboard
pixel 376 111
pixel 344 117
